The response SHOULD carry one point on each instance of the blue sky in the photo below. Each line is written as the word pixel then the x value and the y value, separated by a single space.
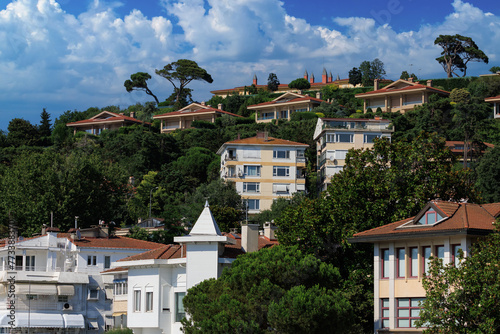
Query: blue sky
pixel 75 54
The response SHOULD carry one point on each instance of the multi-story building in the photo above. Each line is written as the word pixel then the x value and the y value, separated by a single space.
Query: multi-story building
pixel 496 105
pixel 58 287
pixel 263 168
pixel 335 136
pixel 402 252
pixel 401 95
pixel 105 120
pixel 283 106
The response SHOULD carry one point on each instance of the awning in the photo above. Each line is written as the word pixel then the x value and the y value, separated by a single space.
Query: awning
pixel 32 319
pixel 73 321
pixel 65 290
pixel 35 289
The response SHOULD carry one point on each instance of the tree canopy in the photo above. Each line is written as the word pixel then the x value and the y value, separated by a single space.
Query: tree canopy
pixel 138 81
pixel 355 77
pixel 457 52
pixel 272 82
pixel 299 84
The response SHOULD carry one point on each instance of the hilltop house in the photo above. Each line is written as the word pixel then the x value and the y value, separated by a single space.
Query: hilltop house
pixel 183 118
pixel 401 95
pixel 335 136
pixel 263 168
pixel 58 286
pixel 496 105
pixel 150 287
pixel 402 250
pixel 105 120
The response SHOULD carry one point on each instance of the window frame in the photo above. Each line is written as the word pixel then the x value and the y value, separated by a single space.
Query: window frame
pixel 339 135
pixel 285 168
pixel 149 301
pixel 256 184
pixel 179 305
pixel 107 261
pixel 454 254
pixel 436 253
pixel 382 309
pixel 426 260
pixel 277 152
pixel 410 308
pixel 137 300
pixel 91 260
pixel 255 201
pixel 398 262
pixel 90 294
pixel 413 262
pixel 366 135
pixel 383 264
pixel 246 167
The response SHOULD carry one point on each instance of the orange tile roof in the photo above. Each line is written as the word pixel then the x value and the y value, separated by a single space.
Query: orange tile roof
pixel 493 99
pixel 232 251
pixel 115 118
pixel 113 270
pixel 461 217
pixel 112 242
pixel 164 252
pixel 408 88
pixel 197 111
pixel 298 99
pixel 261 141
pixel 452 143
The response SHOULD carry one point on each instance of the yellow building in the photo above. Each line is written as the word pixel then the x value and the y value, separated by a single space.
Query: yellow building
pixel 401 95
pixel 283 106
pixel 496 105
pixel 335 136
pixel 263 169
pixel 402 251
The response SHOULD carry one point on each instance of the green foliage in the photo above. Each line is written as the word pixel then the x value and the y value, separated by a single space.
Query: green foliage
pixel 300 84
pixel 137 232
pixel 22 132
pixel 495 69
pixel 303 115
pixel 460 95
pixel 199 124
pixel 272 82
pixel 371 71
pixel 405 76
pixel 45 128
pixel 279 289
pixel 464 299
pixel 488 176
pixel 120 331
pixel 355 76
pixel 138 81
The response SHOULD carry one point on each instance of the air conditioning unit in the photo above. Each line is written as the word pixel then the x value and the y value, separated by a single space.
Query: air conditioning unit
pixel 240 173
pixel 67 307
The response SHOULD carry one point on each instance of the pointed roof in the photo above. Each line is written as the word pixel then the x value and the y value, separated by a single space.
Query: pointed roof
pixel 324 71
pixel 107 117
pixel 205 225
pixel 402 85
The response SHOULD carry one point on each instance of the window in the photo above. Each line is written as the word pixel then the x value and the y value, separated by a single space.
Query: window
pixel 251 187
pixel 281 154
pixel 344 138
pixel 330 138
pixel 231 154
pixel 281 171
pixel 137 300
pixel 120 287
pixel 107 262
pixel 32 297
pixel 368 138
pixel 253 204
pixel 30 263
pixel 408 312
pixel 440 252
pixel 284 114
pixel 429 218
pixel 62 299
pixel 414 261
pixel 251 152
pixel 426 254
pixel 401 262
pixel 281 189
pixel 231 171
pixel 179 306
pixel 384 312
pixel 91 260
pixel 149 301
pixel 93 293
pixel 385 263
pixel 456 254
pixel 252 170
pixel 19 262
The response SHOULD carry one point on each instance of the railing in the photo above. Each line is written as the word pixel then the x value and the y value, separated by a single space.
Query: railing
pixel 34 268
pixel 265 116
pixel 301 159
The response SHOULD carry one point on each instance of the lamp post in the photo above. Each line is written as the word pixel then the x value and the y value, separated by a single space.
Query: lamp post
pixel 150 192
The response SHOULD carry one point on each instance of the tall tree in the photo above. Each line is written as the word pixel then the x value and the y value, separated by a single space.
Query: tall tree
pixel 299 84
pixel 45 128
pixel 457 52
pixel 366 73
pixel 377 69
pixel 272 82
pixel 22 132
pixel 488 176
pixel 355 77
pixel 181 72
pixel 137 81
pixel 405 76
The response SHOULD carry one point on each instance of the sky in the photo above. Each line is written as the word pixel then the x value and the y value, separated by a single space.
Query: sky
pixel 75 54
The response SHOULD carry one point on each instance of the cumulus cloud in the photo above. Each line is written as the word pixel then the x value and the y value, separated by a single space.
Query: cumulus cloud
pixel 52 58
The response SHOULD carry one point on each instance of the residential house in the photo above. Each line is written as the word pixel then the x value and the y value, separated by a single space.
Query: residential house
pixel 263 169
pixel 473 152
pixel 401 95
pixel 496 105
pixel 183 118
pixel 283 106
pixel 58 287
pixel 105 120
pixel 157 280
pixel 402 252
pixel 335 136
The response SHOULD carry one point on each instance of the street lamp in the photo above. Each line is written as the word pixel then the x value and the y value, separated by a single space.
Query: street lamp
pixel 150 192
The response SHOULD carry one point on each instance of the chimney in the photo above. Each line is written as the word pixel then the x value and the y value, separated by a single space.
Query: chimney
pixel 44 229
pixel 269 230
pixel 318 95
pixel 250 237
pixel 239 136
pixel 266 136
pixel 219 106
pixel 376 84
pixel 311 80
pixel 255 79
pixel 202 103
pixel 324 76
pixel 306 75
pixel 132 114
pixel 429 83
pixel 410 79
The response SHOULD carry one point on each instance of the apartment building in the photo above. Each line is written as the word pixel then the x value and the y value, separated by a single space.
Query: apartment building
pixel 402 252
pixel 263 169
pixel 334 137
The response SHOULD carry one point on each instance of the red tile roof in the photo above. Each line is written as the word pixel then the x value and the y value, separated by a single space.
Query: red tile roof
pixel 113 270
pixel 164 252
pixel 197 111
pixel 390 90
pixel 493 99
pixel 232 251
pixel 452 143
pixel 461 217
pixel 296 100
pixel 263 141
pixel 112 242
pixel 115 118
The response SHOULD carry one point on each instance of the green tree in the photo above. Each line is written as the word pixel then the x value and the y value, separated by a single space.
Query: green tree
pixel 137 232
pixel 45 128
pixel 138 81
pixel 355 76
pixel 405 76
pixel 457 52
pixel 488 176
pixel 377 69
pixel 181 72
pixel 300 84
pixel 464 298
pixel 460 95
pixel 22 132
pixel 366 73
pixel 279 289
pixel 495 69
pixel 272 82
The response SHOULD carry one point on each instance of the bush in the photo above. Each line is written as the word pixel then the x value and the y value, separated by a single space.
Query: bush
pixel 303 115
pixel 120 331
pixel 202 125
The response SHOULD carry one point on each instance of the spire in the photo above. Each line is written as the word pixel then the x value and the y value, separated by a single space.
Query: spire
pixel 338 78
pixel 306 75
pixel 255 79
pixel 324 71
pixel 205 225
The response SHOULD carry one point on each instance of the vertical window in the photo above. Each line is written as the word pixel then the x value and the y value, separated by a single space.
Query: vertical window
pixel 456 254
pixel 440 252
pixel 408 311
pixel 426 254
pixel 401 262
pixel 231 171
pixel 107 262
pixel 414 261
pixel 385 263
pixel 149 301
pixel 384 312
pixel 179 306
pixel 91 260
pixel 93 293
pixel 30 262
pixel 19 262
pixel 137 300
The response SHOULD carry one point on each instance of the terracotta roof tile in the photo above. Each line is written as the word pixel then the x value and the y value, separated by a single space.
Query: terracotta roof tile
pixel 408 88
pixel 113 270
pixel 298 99
pixel 262 141
pixel 164 252
pixel 113 242
pixel 232 251
pixel 493 99
pixel 115 118
pixel 197 111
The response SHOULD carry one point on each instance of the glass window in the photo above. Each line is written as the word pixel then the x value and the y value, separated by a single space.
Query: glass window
pixel 137 300
pixel 430 217
pixel 414 261
pixel 179 306
pixel 408 311
pixel 93 293
pixel 231 171
pixel 253 204
pixel 368 138
pixel 30 263
pixel 91 260
pixel 385 263
pixel 251 187
pixel 384 312
pixel 440 252
pixel 107 262
pixel 426 254
pixel 456 254
pixel 281 171
pixel 252 170
pixel 149 301
pixel 19 262
pixel 281 154
pixel 401 262
pixel 344 138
